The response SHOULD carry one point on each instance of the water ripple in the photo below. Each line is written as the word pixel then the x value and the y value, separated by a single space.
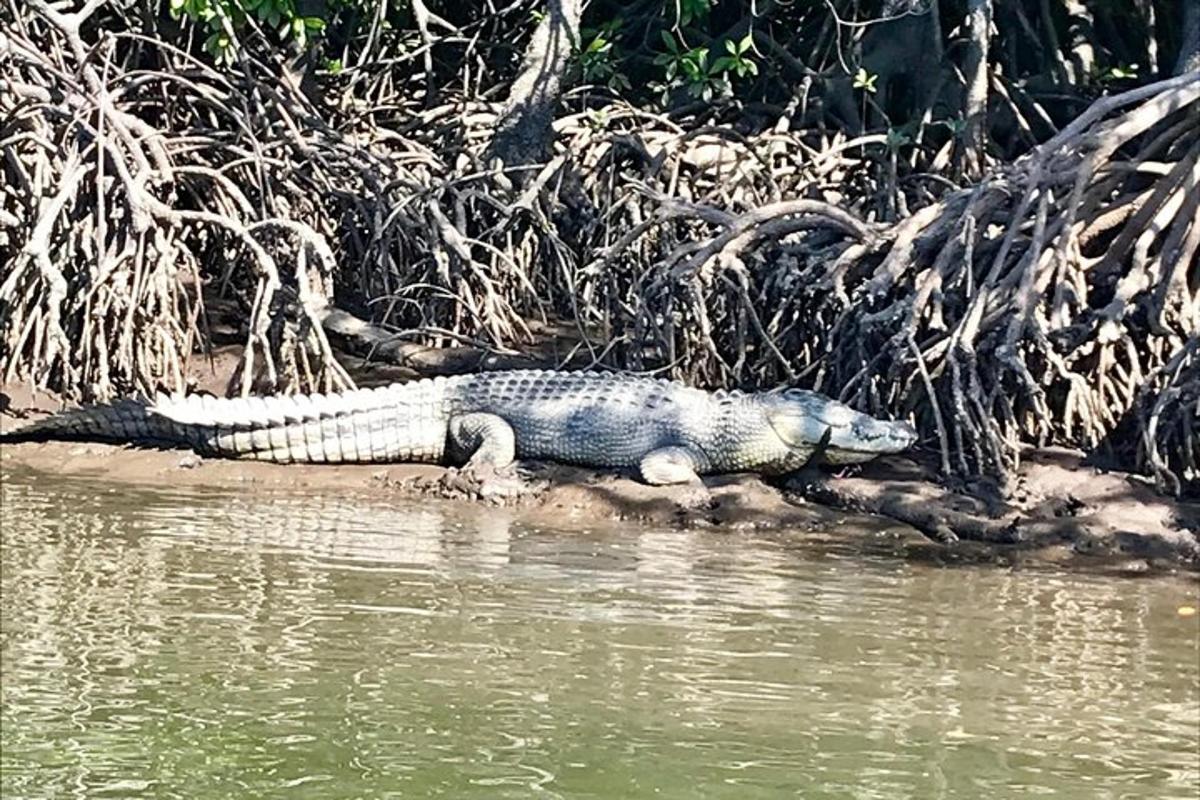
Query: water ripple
pixel 193 644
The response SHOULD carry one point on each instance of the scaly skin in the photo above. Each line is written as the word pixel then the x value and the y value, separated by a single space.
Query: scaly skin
pixel 670 432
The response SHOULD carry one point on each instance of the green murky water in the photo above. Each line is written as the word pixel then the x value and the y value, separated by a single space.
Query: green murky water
pixel 209 645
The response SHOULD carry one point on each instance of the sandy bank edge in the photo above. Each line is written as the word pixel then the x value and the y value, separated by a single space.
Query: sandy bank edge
pixel 1063 511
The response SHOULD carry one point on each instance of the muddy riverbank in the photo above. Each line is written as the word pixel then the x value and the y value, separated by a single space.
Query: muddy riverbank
pixel 1059 509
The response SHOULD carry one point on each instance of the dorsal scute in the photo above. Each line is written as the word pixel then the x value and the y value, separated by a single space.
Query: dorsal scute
pixel 258 412
pixel 369 398
pixel 184 409
pixel 301 407
pixel 321 406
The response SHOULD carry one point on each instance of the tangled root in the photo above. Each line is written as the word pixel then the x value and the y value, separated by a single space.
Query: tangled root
pixel 1032 307
pixel 1057 300
pixel 130 170
pixel 1168 421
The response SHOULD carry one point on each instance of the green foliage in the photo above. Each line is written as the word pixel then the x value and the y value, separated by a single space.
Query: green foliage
pixel 737 61
pixel 225 20
pixel 689 11
pixel 680 62
pixel 898 137
pixel 690 67
pixel 600 58
pixel 957 126
pixel 672 49
pixel 1121 72
pixel 865 81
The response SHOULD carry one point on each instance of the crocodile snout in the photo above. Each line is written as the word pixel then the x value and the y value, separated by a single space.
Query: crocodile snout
pixel 906 432
pixel 878 436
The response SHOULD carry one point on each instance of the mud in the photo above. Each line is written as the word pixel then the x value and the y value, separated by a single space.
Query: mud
pixel 1059 510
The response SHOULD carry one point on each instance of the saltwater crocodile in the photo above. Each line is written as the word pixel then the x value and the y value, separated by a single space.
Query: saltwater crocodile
pixel 669 432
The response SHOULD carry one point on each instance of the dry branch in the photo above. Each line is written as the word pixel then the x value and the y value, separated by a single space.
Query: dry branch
pixel 1054 300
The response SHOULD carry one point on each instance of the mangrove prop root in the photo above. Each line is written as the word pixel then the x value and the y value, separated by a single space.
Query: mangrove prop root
pixel 1055 299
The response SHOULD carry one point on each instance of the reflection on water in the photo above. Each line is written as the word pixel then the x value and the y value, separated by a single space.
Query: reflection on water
pixel 217 645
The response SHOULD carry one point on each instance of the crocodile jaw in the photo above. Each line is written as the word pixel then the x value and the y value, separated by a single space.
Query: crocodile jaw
pixel 864 440
pixel 839 434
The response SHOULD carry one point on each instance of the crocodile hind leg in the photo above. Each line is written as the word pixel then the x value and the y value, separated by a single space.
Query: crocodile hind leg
pixel 492 448
pixel 486 439
pixel 676 465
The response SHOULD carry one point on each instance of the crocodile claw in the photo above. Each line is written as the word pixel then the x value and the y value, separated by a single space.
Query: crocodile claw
pixel 498 487
pixel 485 482
pixel 695 497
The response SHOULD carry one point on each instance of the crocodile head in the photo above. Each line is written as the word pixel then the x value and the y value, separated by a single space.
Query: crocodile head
pixel 835 432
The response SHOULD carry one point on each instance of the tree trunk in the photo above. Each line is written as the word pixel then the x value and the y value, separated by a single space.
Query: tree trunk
pixel 979 22
pixel 523 130
pixel 1080 30
pixel 1189 45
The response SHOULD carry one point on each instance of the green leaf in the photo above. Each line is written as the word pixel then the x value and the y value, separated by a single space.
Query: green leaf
pixel 216 44
pixel 690 10
pixel 957 126
pixel 725 64
pixel 865 80
pixel 897 138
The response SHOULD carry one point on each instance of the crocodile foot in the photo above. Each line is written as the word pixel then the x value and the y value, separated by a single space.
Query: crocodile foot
pixel 495 485
pixel 695 497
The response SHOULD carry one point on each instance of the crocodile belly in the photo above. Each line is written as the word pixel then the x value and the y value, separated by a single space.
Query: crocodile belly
pixel 601 434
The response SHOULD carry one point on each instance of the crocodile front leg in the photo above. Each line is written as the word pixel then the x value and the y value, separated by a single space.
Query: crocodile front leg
pixel 676 465
pixel 490 445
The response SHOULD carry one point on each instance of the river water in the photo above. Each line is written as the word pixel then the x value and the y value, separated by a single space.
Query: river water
pixel 190 644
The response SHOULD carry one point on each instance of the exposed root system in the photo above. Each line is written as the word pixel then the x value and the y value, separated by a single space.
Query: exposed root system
pixel 1053 300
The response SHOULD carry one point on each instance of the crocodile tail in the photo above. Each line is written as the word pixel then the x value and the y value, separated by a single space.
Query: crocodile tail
pixel 122 421
pixel 394 423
